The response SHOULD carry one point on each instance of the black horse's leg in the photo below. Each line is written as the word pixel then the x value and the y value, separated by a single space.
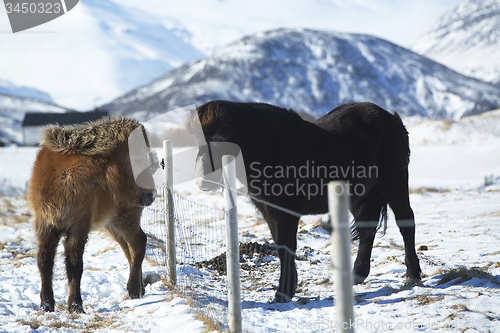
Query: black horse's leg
pixel 397 195
pixel 74 245
pixel 362 263
pixel 285 238
pixel 406 222
pixel 47 246
pixel 366 215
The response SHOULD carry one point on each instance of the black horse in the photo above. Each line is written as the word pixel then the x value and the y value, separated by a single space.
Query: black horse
pixel 289 161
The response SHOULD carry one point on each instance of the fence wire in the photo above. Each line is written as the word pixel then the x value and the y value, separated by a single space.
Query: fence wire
pixel 200 246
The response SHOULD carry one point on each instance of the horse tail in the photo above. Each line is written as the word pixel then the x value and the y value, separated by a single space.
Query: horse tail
pixel 404 134
pixel 354 231
pixel 383 219
pixel 382 224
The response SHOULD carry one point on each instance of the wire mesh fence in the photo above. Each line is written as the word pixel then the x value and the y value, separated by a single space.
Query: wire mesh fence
pixel 200 261
pixel 200 251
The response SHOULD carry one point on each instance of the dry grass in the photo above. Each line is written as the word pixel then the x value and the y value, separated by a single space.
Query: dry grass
pixel 210 324
pixel 31 323
pixel 99 322
pixel 459 307
pixel 114 247
pixel 427 299
pixel 72 322
pixel 19 253
pixel 463 274
pixel 425 190
pixel 13 214
pixel 492 214
pixel 392 245
pixel 259 222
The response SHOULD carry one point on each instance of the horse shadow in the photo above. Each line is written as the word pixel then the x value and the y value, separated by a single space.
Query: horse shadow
pixel 462 276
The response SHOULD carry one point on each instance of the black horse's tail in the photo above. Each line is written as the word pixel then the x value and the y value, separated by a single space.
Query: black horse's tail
pixel 382 224
pixel 383 220
pixel 398 143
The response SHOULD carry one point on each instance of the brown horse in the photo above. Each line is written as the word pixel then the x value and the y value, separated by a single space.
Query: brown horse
pixel 83 178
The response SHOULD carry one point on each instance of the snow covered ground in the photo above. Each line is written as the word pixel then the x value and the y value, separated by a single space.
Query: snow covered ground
pixel 458 225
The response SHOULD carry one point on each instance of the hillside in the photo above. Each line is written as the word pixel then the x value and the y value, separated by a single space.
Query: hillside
pixel 12 111
pixel 7 88
pixel 467 39
pixel 95 53
pixel 314 71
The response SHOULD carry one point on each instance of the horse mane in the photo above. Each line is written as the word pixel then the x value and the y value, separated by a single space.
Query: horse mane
pixel 210 115
pixel 101 137
pixel 216 115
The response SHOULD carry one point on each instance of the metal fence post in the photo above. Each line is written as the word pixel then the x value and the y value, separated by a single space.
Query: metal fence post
pixel 338 204
pixel 169 212
pixel 232 253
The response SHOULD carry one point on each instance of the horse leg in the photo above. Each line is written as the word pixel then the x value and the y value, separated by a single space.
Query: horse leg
pixel 405 220
pixel 126 250
pixel 366 214
pixel 47 247
pixel 395 191
pixel 126 227
pixel 74 246
pixel 285 238
pixel 119 239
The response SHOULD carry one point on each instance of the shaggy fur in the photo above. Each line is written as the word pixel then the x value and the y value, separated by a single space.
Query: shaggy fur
pixel 82 178
pixel 273 138
pixel 101 137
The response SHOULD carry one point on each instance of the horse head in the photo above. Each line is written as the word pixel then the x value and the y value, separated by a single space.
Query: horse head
pixel 215 137
pixel 146 193
pixel 143 164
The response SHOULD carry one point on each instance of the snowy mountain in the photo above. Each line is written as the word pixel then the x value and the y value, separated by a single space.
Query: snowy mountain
pixel 7 88
pixel 12 111
pixel 95 53
pixel 467 39
pixel 314 71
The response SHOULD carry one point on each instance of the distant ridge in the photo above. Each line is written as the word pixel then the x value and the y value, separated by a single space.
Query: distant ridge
pixel 314 71
pixel 467 39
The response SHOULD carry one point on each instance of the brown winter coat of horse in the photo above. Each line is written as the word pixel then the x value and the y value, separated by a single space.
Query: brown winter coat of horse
pixel 82 179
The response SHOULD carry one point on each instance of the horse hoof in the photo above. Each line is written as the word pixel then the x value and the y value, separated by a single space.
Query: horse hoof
pixel 358 279
pixel 415 281
pixel 135 294
pixel 47 307
pixel 76 308
pixel 135 290
pixel 281 298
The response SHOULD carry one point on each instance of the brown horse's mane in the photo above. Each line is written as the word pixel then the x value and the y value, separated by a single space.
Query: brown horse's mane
pixel 101 137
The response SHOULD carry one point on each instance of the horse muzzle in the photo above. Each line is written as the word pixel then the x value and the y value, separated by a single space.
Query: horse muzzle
pixel 146 198
pixel 207 185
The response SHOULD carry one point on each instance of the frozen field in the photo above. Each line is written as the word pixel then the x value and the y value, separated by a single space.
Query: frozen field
pixel 458 231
